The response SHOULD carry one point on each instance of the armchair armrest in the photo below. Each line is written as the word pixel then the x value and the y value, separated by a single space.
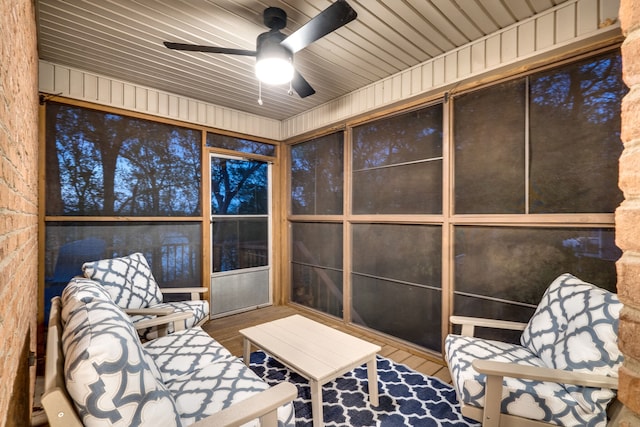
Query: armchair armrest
pixel 469 324
pixel 263 405
pixel 162 322
pixel 194 292
pixel 496 371
pixel 148 311
pixel 514 370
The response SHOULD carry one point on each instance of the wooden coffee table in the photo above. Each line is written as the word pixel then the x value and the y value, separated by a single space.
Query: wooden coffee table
pixel 316 351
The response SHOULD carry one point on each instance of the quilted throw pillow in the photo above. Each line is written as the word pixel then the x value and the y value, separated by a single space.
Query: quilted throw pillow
pixel 128 280
pixel 111 379
pixel 575 328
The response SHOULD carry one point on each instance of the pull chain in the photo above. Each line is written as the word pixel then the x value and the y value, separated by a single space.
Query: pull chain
pixel 259 92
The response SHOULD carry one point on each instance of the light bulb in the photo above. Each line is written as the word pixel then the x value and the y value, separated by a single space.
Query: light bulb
pixel 274 71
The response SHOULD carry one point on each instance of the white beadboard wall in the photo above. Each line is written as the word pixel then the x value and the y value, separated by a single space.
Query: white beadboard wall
pixel 567 26
pixel 60 80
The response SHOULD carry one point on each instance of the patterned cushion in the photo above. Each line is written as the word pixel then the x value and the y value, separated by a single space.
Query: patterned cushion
pixel 185 351
pixel 109 376
pixel 127 279
pixel 575 328
pixel 217 386
pixel 83 289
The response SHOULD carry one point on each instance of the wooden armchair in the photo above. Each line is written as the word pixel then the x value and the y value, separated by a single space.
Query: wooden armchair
pixel 563 372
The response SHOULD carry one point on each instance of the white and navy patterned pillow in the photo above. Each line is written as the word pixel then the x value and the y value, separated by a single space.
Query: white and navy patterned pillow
pixel 109 376
pixel 575 327
pixel 127 279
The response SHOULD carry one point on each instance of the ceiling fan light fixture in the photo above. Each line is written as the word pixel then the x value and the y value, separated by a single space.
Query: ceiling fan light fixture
pixel 274 70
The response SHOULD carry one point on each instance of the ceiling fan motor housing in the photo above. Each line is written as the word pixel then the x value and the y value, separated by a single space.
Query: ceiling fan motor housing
pixel 268 46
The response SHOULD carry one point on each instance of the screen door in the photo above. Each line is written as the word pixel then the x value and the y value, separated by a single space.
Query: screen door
pixel 240 234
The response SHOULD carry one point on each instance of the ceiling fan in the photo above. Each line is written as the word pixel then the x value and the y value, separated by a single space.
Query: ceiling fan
pixel 274 50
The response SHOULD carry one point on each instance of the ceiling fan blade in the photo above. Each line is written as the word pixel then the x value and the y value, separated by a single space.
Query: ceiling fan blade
pixel 330 19
pixel 301 86
pixel 211 49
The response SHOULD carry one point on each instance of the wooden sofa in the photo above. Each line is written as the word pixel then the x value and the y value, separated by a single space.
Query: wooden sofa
pixel 99 373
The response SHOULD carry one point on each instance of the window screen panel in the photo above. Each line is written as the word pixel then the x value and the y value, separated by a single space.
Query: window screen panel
pixel 414 188
pixel 317 266
pixel 397 164
pixel 173 250
pixel 411 313
pixel 489 138
pixel 408 137
pixel 318 288
pixel 240 243
pixel 575 136
pixel 104 164
pixel 317 244
pixel 518 263
pixel 239 187
pixel 409 253
pixel 397 275
pixel 317 170
pixel 240 145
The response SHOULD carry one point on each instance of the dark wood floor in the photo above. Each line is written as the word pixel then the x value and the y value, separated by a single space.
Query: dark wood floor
pixel 225 330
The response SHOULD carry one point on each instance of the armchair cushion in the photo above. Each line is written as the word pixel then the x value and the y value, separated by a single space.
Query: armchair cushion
pixel 128 280
pixel 575 328
pixel 538 400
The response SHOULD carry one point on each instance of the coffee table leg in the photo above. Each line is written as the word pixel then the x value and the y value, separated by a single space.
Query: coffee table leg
pixel 246 351
pixel 316 403
pixel 372 376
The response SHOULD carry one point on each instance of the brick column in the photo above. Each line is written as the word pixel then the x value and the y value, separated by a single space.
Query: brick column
pixel 18 208
pixel 628 217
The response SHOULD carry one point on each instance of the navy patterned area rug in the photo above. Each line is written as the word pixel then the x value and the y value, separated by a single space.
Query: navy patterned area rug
pixel 407 397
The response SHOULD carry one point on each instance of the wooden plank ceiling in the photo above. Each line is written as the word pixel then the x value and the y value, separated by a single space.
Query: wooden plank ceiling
pixel 123 39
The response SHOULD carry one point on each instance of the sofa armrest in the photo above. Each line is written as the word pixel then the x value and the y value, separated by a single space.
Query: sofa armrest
pixel 194 292
pixel 263 405
pixel 148 311
pixel 162 322
pixel 469 324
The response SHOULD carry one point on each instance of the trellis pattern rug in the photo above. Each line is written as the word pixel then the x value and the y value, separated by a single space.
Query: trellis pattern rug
pixel 407 397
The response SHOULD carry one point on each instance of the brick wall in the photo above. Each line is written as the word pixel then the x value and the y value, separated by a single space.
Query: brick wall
pixel 18 208
pixel 628 216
